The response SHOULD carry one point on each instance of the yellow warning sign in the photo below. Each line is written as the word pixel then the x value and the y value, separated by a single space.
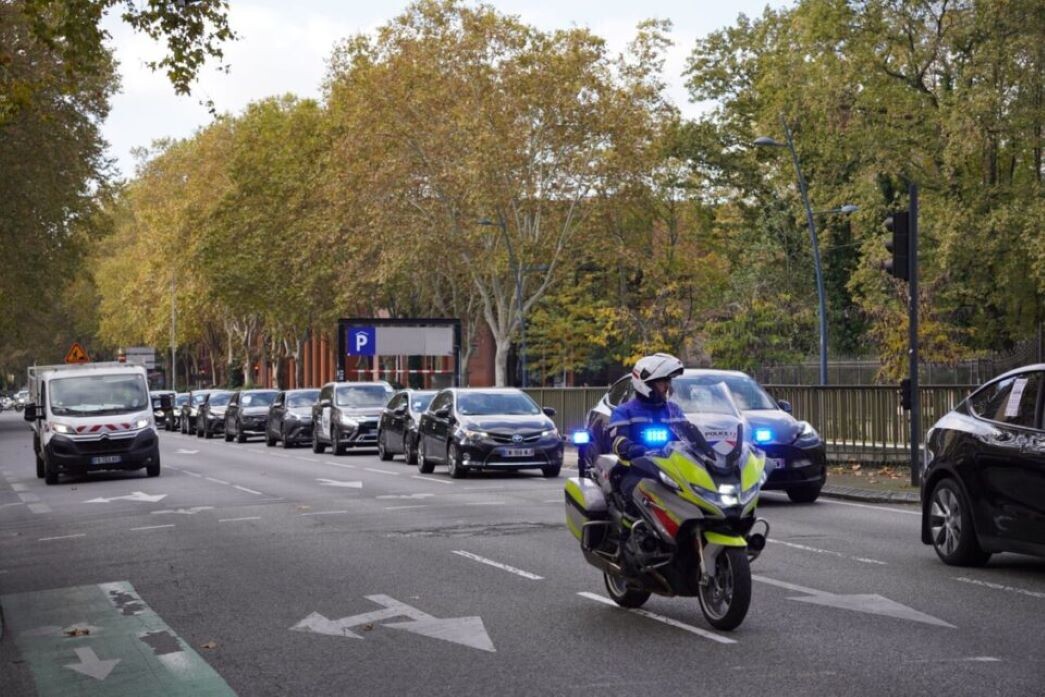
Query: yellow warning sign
pixel 77 354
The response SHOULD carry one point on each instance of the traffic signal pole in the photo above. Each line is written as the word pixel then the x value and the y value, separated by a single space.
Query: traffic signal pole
pixel 916 400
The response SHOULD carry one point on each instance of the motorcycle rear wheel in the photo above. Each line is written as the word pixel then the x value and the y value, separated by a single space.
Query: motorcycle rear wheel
pixel 726 596
pixel 622 594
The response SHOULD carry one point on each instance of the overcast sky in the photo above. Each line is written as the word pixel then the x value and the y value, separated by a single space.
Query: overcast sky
pixel 283 47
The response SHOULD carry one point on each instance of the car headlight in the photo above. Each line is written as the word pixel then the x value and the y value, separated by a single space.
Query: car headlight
pixel 141 423
pixel 550 433
pixel 62 428
pixel 807 435
pixel 349 422
pixel 471 435
pixel 291 416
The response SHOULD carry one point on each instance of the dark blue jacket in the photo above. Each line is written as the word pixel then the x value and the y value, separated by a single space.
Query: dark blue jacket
pixel 631 418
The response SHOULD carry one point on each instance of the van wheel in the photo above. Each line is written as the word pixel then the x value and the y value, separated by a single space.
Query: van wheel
pixel 39 466
pixel 50 472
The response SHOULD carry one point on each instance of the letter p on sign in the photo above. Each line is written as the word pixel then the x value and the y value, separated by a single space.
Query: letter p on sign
pixel 362 341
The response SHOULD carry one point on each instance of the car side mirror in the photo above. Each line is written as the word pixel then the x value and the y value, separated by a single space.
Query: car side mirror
pixel 549 411
pixel 785 405
pixel 166 402
pixel 324 402
pixel 400 410
pixel 443 412
pixel 30 413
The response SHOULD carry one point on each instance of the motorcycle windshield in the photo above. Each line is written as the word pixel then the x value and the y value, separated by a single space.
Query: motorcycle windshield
pixel 695 397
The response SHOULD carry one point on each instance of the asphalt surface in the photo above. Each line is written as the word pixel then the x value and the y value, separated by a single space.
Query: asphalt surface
pixel 249 542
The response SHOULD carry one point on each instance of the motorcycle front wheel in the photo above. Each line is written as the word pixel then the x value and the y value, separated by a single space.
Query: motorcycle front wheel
pixel 622 594
pixel 726 595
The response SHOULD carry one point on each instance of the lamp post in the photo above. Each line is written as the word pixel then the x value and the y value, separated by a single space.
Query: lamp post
pixel 174 364
pixel 766 141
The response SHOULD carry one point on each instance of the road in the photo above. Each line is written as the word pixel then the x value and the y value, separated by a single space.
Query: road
pixel 258 571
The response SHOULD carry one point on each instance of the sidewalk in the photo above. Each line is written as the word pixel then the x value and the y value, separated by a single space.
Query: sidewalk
pixel 850 482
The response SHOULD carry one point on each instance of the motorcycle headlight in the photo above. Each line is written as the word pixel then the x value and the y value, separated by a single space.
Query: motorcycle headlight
pixel 807 435
pixel 62 428
pixel 668 481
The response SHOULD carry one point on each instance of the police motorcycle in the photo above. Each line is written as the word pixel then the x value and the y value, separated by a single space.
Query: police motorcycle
pixel 693 531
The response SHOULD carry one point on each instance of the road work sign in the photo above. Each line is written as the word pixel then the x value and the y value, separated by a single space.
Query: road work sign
pixel 77 354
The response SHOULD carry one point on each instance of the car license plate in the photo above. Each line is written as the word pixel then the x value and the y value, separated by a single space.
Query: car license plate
pixel 774 463
pixel 518 452
pixel 105 460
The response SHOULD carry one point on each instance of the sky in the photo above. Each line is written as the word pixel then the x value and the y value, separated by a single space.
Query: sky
pixel 284 46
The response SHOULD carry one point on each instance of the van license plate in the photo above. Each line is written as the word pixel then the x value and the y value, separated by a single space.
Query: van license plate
pixel 518 452
pixel 105 460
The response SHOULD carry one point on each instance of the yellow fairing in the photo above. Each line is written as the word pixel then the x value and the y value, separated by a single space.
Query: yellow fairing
pixel 751 472
pixel 685 472
pixel 725 540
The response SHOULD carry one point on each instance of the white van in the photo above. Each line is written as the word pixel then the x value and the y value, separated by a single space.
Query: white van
pixel 90 417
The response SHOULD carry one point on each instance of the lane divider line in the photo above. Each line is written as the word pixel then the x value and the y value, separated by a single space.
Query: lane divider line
pixel 999 587
pixel 486 503
pixel 498 565
pixel 62 537
pixel 380 471
pixel 661 618
pixel 865 505
pixel 249 491
pixel 216 481
pixel 192 474
pixel 236 520
pixel 832 553
pixel 403 508
pixel 432 479
pixel 322 513
pixel 339 464
pixel 153 527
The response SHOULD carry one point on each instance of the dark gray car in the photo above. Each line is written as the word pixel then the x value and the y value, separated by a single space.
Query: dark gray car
pixel 290 418
pixel 247 414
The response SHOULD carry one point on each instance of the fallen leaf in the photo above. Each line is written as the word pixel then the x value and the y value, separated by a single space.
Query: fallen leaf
pixel 210 645
pixel 856 468
pixel 77 631
pixel 304 508
pixel 367 627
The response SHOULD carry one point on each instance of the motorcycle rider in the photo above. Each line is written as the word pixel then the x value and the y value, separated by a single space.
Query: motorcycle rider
pixel 651 379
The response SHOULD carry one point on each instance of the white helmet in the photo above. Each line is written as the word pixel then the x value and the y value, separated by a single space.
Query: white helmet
pixel 656 367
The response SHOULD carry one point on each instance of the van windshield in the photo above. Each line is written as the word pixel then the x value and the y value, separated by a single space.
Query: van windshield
pixel 98 395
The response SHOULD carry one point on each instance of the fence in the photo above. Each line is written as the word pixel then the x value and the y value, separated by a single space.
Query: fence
pixel 862 423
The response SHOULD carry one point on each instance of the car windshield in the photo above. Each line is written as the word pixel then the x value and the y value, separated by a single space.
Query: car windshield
pixel 747 394
pixel 157 401
pixel 219 399
pixel 362 396
pixel 698 397
pixel 419 401
pixel 198 398
pixel 181 399
pixel 258 399
pixel 507 403
pixel 302 399
pixel 98 395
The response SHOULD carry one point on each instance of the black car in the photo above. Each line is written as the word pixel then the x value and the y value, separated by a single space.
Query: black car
pixel 346 415
pixel 247 414
pixel 159 414
pixel 488 429
pixel 173 421
pixel 290 418
pixel 796 457
pixel 210 419
pixel 983 486
pixel 190 410
pixel 397 430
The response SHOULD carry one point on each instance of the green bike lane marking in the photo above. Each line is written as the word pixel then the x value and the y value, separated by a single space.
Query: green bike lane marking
pixel 104 640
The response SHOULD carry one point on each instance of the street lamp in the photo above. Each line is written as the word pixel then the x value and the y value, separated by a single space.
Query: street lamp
pixel 518 269
pixel 766 141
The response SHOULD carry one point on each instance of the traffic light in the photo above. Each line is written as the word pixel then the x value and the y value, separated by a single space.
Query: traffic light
pixel 899 265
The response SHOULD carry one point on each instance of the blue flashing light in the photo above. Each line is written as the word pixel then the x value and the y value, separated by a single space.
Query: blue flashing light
pixel 655 436
pixel 763 435
pixel 580 437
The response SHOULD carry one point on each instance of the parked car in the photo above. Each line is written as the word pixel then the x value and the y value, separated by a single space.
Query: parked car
pixel 190 410
pixel 488 429
pixel 159 414
pixel 397 429
pixel 290 418
pixel 796 457
pixel 346 415
pixel 173 422
pixel 247 414
pixel 21 398
pixel 210 419
pixel 983 486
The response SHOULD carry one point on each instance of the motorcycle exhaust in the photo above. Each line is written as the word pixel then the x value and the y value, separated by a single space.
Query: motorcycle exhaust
pixel 756 541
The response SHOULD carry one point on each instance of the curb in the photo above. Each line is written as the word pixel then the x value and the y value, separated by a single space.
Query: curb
pixel 870 496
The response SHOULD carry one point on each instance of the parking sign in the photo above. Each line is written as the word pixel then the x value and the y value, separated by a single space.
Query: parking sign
pixel 362 341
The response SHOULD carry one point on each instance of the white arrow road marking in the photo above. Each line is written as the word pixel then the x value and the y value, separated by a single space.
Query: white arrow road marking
pixel 91 665
pixel 340 483
pixel 870 603
pixel 497 564
pixel 467 631
pixel 183 451
pixel 185 511
pixel 136 496
pixel 405 496
pixel 661 618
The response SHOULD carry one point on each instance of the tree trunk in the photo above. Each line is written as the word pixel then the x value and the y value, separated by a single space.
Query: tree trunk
pixel 503 344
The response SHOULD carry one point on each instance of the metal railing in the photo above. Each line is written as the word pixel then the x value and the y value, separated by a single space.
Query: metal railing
pixel 858 422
